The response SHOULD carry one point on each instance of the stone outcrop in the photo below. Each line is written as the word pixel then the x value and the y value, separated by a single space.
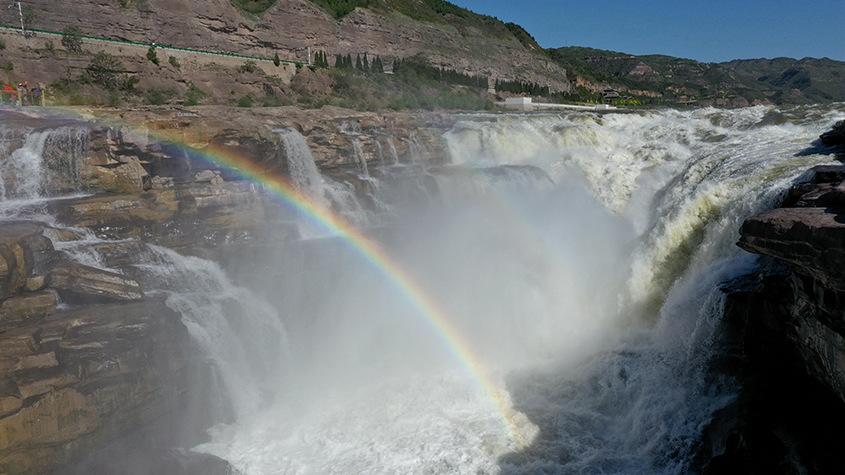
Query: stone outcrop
pixel 835 136
pixel 786 339
pixel 78 283
pixel 107 363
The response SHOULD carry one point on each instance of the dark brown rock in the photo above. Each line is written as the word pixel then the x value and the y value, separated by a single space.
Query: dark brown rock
pixel 23 250
pixel 29 305
pixel 835 137
pixel 81 284
pixel 813 239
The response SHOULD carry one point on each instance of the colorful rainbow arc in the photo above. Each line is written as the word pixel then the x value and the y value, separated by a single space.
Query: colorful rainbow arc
pixel 369 250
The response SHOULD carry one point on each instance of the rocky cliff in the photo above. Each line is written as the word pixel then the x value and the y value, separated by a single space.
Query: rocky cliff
pixel 786 346
pixel 290 27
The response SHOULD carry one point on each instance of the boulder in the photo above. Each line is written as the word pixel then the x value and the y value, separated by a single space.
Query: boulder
pixel 77 283
pixel 811 239
pixel 208 176
pixel 27 306
pixel 835 137
pixel 35 283
pixel 23 250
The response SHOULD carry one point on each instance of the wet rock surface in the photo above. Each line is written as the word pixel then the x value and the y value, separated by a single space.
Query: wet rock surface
pixel 786 337
pixel 107 361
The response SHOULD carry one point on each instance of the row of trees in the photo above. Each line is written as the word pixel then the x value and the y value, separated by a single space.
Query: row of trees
pixel 422 69
pixel 362 63
pixel 521 87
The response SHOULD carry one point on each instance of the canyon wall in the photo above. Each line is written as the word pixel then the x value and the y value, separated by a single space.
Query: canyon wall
pixel 785 327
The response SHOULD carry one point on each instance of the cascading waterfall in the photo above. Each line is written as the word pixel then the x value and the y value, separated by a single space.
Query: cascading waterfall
pixel 37 165
pixel 391 148
pixel 242 335
pixel 358 152
pixel 592 297
pixel 579 256
pixel 324 191
pixel 301 167
pixel 22 171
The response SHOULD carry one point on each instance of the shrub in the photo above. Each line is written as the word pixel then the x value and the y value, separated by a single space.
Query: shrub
pixel 249 67
pixel 256 7
pixel 106 71
pixel 114 99
pixel 2 44
pixel 276 60
pixel 174 62
pixel 152 55
pixel 194 95
pixel 158 97
pixel 245 101
pixel 72 39
pixel 8 67
pixel 50 47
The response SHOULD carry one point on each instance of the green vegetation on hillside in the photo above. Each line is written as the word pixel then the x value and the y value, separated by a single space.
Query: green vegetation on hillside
pixel 523 36
pixel 341 8
pixel 256 7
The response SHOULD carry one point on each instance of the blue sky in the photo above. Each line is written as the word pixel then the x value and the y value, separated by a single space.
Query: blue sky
pixel 706 30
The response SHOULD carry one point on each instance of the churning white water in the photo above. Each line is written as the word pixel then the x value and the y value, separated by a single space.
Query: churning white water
pixel 591 301
pixel 577 258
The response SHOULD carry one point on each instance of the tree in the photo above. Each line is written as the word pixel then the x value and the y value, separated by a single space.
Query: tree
pixel 105 70
pixel 366 63
pixel 174 62
pixel 377 66
pixel 348 64
pixel 72 39
pixel 338 61
pixel 276 60
pixel 152 55
pixel 358 65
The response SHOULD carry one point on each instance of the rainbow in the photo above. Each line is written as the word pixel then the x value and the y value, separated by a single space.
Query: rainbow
pixel 426 307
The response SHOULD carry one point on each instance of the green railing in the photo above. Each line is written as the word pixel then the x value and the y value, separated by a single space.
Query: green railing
pixel 101 39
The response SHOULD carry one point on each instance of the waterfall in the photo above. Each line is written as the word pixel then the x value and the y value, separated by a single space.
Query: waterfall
pixel 326 192
pixel 391 149
pixel 239 332
pixel 22 172
pixel 302 169
pixel 580 256
pixel 46 162
pixel 577 259
pixel 360 159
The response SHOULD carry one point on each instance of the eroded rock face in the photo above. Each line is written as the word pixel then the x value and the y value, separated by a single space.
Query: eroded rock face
pixel 107 362
pixel 786 327
pixel 77 283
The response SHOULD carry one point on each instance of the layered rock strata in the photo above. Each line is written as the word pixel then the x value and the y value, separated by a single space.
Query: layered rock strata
pixel 785 327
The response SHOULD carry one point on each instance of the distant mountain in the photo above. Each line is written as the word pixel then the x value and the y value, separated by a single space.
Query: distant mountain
pixel 678 80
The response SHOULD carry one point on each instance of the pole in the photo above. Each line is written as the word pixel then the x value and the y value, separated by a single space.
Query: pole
pixel 20 13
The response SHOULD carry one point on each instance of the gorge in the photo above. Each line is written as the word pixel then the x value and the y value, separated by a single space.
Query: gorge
pixel 281 290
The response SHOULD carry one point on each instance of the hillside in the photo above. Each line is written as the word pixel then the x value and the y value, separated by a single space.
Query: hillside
pixel 441 33
pixel 735 83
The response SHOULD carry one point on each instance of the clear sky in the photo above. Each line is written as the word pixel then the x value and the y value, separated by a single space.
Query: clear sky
pixel 706 30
